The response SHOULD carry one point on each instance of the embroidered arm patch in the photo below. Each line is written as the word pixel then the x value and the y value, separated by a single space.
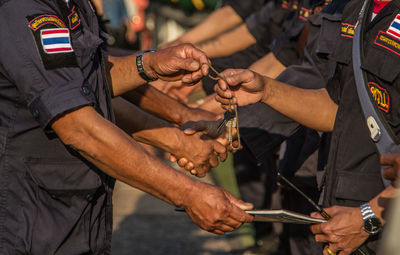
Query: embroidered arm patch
pixel 53 41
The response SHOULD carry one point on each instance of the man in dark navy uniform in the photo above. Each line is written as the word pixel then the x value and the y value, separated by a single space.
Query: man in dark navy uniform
pixel 353 189
pixel 60 151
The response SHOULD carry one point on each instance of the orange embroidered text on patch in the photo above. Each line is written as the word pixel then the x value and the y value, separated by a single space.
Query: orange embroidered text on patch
pixel 380 95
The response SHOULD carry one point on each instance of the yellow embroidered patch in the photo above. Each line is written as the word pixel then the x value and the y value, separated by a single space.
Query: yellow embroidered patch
pixel 347 30
pixel 380 95
pixel 388 42
pixel 74 20
pixel 42 20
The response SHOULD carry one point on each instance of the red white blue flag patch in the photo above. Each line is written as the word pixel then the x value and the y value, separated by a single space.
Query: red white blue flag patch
pixel 56 40
pixel 394 29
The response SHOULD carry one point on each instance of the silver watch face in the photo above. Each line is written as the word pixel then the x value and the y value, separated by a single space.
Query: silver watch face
pixel 372 225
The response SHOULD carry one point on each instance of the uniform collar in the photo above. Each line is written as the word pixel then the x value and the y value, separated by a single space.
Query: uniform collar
pixel 386 11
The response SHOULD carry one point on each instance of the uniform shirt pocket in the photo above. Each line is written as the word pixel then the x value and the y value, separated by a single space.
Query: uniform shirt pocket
pixel 63 179
pixel 367 181
pixel 328 33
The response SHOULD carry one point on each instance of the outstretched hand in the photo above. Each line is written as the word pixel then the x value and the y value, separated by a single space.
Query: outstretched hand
pixel 215 209
pixel 243 86
pixel 343 232
pixel 183 62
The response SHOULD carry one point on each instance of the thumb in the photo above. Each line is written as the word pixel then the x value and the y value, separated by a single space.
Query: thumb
pixel 208 127
pixel 239 203
pixel 192 127
pixel 188 64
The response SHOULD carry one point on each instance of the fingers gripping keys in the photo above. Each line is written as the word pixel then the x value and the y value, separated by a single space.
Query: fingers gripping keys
pixel 230 120
pixel 232 123
pixel 228 116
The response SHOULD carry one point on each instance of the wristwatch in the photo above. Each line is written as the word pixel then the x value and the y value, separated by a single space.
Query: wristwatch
pixel 372 225
pixel 140 67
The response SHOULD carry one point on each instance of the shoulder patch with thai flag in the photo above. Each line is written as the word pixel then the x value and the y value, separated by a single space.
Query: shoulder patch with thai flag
pixel 53 40
pixel 56 40
pixel 394 29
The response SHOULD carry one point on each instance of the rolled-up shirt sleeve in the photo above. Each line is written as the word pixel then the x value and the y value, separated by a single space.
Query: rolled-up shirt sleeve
pixel 266 23
pixel 49 93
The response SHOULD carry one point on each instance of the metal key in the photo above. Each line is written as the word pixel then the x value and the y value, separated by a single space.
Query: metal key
pixel 228 116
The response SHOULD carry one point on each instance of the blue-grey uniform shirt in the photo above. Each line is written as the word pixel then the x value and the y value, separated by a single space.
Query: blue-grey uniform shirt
pixel 52 201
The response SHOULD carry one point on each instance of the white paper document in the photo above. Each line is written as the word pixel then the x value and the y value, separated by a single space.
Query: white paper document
pixel 283 216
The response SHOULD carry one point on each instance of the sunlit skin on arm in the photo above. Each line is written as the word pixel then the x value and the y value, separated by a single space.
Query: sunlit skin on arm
pixel 301 105
pixel 183 62
pixel 119 156
pixel 344 231
pixel 152 100
pixel 144 127
pixel 219 21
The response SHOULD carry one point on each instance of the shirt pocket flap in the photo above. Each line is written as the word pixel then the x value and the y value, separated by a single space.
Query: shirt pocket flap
pixel 349 183
pixel 65 176
pixel 342 50
pixel 382 63
pixel 328 33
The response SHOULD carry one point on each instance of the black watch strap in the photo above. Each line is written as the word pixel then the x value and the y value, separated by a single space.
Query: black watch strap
pixel 140 67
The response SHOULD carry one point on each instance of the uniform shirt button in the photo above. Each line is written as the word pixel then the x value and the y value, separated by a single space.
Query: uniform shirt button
pixel 35 113
pixel 85 90
pixel 89 197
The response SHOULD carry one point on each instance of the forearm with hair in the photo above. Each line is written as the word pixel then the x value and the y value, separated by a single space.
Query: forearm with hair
pixel 312 108
pixel 146 128
pixel 156 102
pixel 123 73
pixel 119 156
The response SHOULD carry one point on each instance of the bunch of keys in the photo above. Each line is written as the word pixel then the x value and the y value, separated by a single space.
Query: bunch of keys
pixel 230 121
pixel 230 117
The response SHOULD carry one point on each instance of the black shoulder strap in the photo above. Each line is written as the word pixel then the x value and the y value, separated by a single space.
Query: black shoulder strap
pixel 381 133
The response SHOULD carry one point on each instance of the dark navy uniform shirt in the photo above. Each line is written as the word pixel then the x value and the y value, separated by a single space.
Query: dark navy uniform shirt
pixel 245 8
pixel 311 74
pixel 266 23
pixel 353 156
pixel 353 170
pixel 286 47
pixel 52 201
